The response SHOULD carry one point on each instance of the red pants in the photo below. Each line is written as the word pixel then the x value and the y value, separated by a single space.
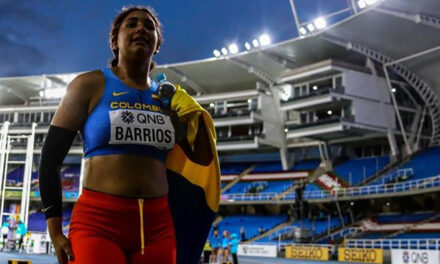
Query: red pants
pixel 114 230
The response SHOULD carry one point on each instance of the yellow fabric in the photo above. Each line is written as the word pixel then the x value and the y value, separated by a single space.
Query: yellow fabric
pixel 207 177
pixel 141 213
pixel 188 111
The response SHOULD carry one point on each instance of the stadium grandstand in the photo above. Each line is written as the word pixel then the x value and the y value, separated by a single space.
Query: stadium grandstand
pixel 329 143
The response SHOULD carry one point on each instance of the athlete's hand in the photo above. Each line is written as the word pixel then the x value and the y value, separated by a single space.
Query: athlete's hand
pixel 183 104
pixel 62 248
pixel 188 110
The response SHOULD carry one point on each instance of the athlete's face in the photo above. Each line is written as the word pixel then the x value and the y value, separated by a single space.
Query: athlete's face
pixel 138 34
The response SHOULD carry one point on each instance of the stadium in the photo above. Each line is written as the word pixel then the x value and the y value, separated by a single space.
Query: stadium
pixel 328 143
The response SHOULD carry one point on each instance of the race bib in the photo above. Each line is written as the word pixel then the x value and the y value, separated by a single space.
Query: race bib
pixel 141 128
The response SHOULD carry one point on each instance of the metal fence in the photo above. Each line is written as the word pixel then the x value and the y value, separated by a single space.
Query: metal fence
pixel 419 184
pixel 413 185
pixel 427 244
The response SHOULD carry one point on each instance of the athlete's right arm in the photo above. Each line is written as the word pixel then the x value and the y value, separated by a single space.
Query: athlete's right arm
pixel 69 118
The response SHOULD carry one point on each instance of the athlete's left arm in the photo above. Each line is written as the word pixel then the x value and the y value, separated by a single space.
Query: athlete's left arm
pixel 202 153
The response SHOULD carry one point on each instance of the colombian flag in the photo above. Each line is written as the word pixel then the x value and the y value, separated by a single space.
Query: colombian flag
pixel 194 197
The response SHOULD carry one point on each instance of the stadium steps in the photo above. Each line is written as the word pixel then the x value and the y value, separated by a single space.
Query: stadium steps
pixel 294 186
pixel 271 231
pixel 324 167
pixel 355 231
pixel 386 169
pixel 217 220
pixel 239 177
pixel 408 228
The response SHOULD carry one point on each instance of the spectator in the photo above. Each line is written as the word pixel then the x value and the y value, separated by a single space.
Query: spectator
pixel 207 252
pixel 5 231
pixel 215 245
pixel 21 232
pixel 225 246
pixel 234 246
pixel 243 233
pixel 260 230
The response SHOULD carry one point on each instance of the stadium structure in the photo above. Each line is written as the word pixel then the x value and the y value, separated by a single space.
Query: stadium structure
pixel 328 143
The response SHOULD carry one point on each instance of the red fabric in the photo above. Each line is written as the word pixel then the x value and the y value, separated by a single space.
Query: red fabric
pixel 106 229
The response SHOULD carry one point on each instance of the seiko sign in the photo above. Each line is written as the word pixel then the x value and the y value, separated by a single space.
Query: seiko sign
pixel 407 256
pixel 304 252
pixel 364 255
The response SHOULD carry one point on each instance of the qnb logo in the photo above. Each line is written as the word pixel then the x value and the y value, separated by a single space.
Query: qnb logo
pixel 405 257
pixel 127 117
pixel 415 257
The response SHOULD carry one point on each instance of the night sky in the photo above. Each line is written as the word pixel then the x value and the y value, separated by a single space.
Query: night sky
pixel 62 36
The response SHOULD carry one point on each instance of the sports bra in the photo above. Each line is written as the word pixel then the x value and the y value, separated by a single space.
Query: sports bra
pixel 127 121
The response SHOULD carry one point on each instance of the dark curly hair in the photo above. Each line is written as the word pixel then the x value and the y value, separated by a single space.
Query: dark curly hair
pixel 117 24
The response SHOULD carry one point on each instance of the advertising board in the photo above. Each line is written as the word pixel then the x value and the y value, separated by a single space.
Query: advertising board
pixel 364 255
pixel 409 256
pixel 269 251
pixel 311 253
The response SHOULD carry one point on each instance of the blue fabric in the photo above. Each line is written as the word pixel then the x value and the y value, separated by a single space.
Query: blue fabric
pixel 234 243
pixel 117 95
pixel 21 229
pixel 215 242
pixel 225 242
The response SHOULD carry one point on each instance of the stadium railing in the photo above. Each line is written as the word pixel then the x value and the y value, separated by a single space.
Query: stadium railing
pixel 432 244
pixel 413 185
pixel 248 196
pixel 394 175
pixel 342 233
pixel 419 184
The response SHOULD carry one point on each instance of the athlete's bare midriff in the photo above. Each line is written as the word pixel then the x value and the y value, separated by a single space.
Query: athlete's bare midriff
pixel 126 175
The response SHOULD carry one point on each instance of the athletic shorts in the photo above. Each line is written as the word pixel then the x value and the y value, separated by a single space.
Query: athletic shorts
pixel 115 230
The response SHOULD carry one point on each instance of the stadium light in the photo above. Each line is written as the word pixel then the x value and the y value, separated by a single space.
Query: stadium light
pixel 302 30
pixel 370 2
pixel 329 112
pixel 224 51
pixel 249 101
pixel 41 93
pixel 217 53
pixel 393 90
pixel 320 23
pixel 362 4
pixel 233 48
pixel 247 45
pixel 255 43
pixel 211 105
pixel 264 40
pixel 315 87
pixel 311 27
pixel 286 130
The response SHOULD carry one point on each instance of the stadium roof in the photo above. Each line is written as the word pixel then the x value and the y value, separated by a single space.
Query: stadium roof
pixel 391 28
pixel 395 28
